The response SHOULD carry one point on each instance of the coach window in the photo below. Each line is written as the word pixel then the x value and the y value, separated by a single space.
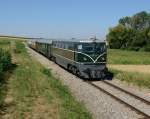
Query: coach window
pixel 79 47
pixel 57 45
pixel 66 46
pixel 63 46
pixel 70 47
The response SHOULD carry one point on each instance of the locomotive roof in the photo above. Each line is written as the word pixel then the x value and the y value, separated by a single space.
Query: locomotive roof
pixel 67 41
pixel 42 40
pixel 80 41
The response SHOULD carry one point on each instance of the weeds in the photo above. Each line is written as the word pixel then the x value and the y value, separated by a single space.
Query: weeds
pixel 135 78
pixel 5 67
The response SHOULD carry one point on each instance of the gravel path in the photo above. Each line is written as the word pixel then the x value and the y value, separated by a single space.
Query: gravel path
pixel 99 104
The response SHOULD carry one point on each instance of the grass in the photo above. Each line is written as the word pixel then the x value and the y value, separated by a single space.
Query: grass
pixel 138 79
pixel 4 44
pixel 37 94
pixel 116 56
pixel 5 70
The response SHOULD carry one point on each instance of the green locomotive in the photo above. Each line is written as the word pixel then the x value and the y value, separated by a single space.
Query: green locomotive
pixel 86 59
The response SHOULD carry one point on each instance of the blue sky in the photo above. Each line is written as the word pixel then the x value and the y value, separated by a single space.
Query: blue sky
pixel 65 18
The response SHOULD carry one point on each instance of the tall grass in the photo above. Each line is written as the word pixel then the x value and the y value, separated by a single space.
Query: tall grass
pixel 5 65
pixel 135 78
pixel 4 44
pixel 128 57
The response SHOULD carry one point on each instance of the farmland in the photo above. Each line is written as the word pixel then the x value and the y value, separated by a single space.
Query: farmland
pixel 116 56
pixel 130 66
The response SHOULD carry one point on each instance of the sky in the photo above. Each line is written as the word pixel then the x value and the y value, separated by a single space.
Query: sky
pixel 65 18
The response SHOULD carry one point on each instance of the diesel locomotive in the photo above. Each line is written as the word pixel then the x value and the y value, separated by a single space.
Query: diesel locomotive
pixel 86 59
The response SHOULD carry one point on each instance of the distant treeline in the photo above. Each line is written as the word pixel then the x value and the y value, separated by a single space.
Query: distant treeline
pixel 17 37
pixel 131 33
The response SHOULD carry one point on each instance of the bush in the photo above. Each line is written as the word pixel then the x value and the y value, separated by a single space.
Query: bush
pixel 134 48
pixel 5 60
pixel 1 70
pixel 147 48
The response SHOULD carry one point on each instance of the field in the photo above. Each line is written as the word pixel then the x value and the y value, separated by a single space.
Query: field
pixel 128 57
pixel 130 66
pixel 31 91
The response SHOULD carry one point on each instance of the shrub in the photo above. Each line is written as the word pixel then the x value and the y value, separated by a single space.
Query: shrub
pixel 134 48
pixel 5 60
pixel 1 70
pixel 147 48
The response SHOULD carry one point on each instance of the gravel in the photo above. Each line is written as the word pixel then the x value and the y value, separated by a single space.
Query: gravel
pixel 98 103
pixel 125 97
pixel 141 92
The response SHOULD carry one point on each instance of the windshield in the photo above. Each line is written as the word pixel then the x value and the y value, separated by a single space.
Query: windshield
pixel 92 48
pixel 91 52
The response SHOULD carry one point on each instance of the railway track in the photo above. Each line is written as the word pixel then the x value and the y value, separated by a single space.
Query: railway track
pixel 132 101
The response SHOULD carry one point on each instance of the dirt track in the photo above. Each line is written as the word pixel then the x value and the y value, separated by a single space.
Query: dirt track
pixel 132 68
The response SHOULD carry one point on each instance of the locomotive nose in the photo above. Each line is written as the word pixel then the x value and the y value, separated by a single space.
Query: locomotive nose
pixel 95 73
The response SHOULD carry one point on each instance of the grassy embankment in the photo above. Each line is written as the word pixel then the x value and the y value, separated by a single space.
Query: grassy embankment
pixel 5 67
pixel 130 57
pixel 37 94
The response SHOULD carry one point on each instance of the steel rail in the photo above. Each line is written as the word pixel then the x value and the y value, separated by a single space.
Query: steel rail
pixel 127 92
pixel 146 116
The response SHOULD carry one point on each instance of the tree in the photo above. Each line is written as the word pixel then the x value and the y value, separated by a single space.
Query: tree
pixel 138 21
pixel 131 32
pixel 115 37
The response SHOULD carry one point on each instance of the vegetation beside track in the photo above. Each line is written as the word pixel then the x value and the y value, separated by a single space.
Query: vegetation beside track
pixel 116 56
pixel 37 94
pixel 5 67
pixel 138 79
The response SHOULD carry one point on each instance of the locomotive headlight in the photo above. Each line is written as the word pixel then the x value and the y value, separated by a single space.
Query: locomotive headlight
pixel 103 58
pixel 85 59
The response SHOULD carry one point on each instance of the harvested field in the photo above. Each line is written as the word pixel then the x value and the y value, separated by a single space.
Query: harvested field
pixel 131 68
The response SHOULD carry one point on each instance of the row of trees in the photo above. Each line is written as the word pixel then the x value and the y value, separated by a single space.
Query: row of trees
pixel 131 33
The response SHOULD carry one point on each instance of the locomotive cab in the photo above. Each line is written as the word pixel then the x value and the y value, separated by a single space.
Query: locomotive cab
pixel 91 58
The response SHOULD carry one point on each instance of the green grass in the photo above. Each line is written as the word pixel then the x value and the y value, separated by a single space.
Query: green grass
pixel 4 44
pixel 138 79
pixel 5 68
pixel 36 92
pixel 127 57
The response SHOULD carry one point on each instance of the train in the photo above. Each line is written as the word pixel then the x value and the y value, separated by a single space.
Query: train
pixel 84 58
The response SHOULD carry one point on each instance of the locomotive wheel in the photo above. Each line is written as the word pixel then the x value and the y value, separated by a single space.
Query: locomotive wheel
pixel 74 70
pixel 78 73
pixel 54 59
pixel 70 68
